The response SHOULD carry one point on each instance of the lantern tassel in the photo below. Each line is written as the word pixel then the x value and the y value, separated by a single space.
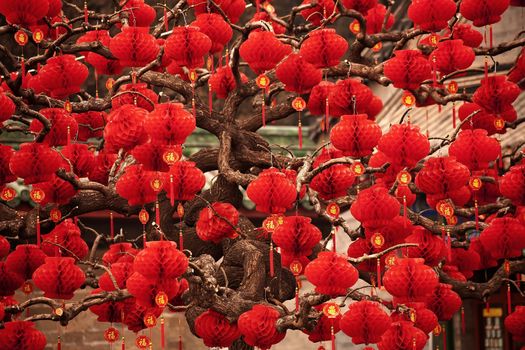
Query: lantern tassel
pixel 300 132
pixel 476 212
pixel 123 344
pixel 463 324
pixel 454 115
pixel 444 334
pixel 491 36
pixel 297 295
pixel 378 273
pixel 180 342
pixel 332 333
pixel 487 306
pixel 38 236
pixel 405 211
pixel 257 5
pixel 162 334
pixel 263 108
pixel 509 299
pixel 272 272
pixel 172 192
pixel 210 98
pixel 326 114
pixel 157 213
pixel 334 239
pixel 111 225
pixel 86 18
pixel 59 344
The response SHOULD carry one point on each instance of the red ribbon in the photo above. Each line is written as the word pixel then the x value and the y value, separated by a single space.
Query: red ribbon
pixel 272 271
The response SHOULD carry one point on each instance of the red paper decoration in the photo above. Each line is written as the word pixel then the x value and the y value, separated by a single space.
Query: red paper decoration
pixel 215 329
pixel 140 14
pixel 483 12
pixel 110 311
pixel 407 69
pixel 512 184
pixel 444 302
pixel 118 253
pixel 496 94
pixel 125 128
pixel 160 261
pixel 258 326
pixel 403 335
pixel 81 158
pixel 375 207
pixel 136 94
pixel 318 97
pixel 475 149
pixel 362 6
pixel 67 235
pixel 349 96
pixel 6 152
pixel 187 181
pixel 466 261
pixel 4 247
pixel 272 192
pixel 483 119
pixel 177 124
pixel 331 274
pixel 365 321
pixel 334 181
pixel 222 82
pixel 187 46
pixel 504 238
pixel 218 222
pixel 296 236
pixel 134 315
pixel 515 324
pixel 410 280
pixel 63 126
pixel 10 281
pixel 134 46
pixel 420 316
pixel 262 51
pixel 375 19
pixel 355 135
pixel 469 35
pixel 101 64
pixel 121 271
pixel 135 185
pixel 34 162
pixel 151 156
pixel 264 16
pixel 103 163
pixel 57 191
pixel 216 28
pixel 404 145
pixel 319 12
pixel 233 9
pixel 7 107
pixel 323 48
pixel 430 247
pixel 62 76
pixel 90 124
pixel 431 15
pixel 25 12
pixel 146 290
pixel 297 74
pixel 19 335
pixel 452 55
pixel 59 277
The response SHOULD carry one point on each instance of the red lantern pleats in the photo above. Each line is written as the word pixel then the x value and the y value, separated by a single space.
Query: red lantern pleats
pixel 444 302
pixel 222 82
pixel 317 102
pixel 10 281
pixel 35 162
pixel 466 260
pixel 125 128
pixel 504 238
pixel 483 12
pixel 7 107
pixel 375 19
pixel 101 64
pixel 67 235
pixel 425 319
pixel 218 222
pixel 119 252
pixel 512 184
pixel 272 192
pixel 349 96
pixel 136 94
pixel 103 163
pixel 264 16
pixel 186 46
pixel 216 28
pixel 90 124
pixel 63 126
pixel 134 46
pixel 59 277
pixel 135 185
pixel 25 12
pixel 475 149
pixel 121 271
pixel 407 69
pixel 139 13
pixel 184 181
pixel 496 94
pixel 22 335
pixel 431 15
pixel 296 236
pixel 177 124
pixel 429 247
pixel 375 207
pixel 80 157
pixel 258 326
pixel 57 191
pixel 362 6
pixel 62 76
pixel 365 321
pixel 110 311
pixel 355 135
pixel 233 9
pixel 215 329
pixel 403 335
pixel 297 74
pixel 334 181
pixel 146 290
pixel 6 152
pixel 484 119
pixel 4 247
pixel 469 35
pixel 262 51
pixel 452 55
pixel 151 156
pixel 515 324
pixel 331 274
pixel 322 10
pixel 160 260
pixel 323 48
pixel 410 280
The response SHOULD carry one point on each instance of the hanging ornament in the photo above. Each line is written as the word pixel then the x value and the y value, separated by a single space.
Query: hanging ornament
pixel 299 104
pixel 333 210
pixel 332 311
pixel 7 194
pixel 453 88
pixel 270 224
pixel 475 185
pixel 297 269
pixel 263 82
pixel 143 342
pixel 111 335
pixel 37 195
pixel 180 214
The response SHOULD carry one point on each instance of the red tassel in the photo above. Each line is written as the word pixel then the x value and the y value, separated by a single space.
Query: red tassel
pixel 332 334
pixel 263 108
pixel 300 132
pixel 59 344
pixel 157 212
pixel 486 68
pixel 463 324
pixel 404 211
pixel 326 115
pixel 476 211
pixel 111 225
pixel 509 299
pixel 378 273
pixel 181 237
pixel 123 344
pixel 487 306
pixel 297 295
pixel 144 238
pixel 38 236
pixel 491 36
pixel 68 139
pixel 444 336
pixel 180 342
pixel 272 272
pixel 172 192
pixel 334 240
pixel 86 19
pixel 449 246
pixel 162 335
pixel 210 98
pixel 454 115
pixel 257 5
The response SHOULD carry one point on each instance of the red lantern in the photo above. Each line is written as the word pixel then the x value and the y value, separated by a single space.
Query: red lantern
pixel 444 302
pixel 496 94
pixel 146 290
pixel 134 315
pixel 10 281
pixel 487 261
pixel 59 278
pixel 375 19
pixel 121 271
pixel 177 124
pixel 139 13
pixel 19 335
pixel 421 317
pixel 442 175
pixel 101 64
pixel 374 107
pixel 90 124
pixel 187 46
pixel 517 73
pixel 407 69
pixel 331 274
pixel 375 207
pixel 264 16
pixel 134 46
pixel 410 280
pixel 362 6
pixel 6 152
pixel 119 252
pixel 216 28
pixel 296 236
pixel 215 223
pixel 363 246
pixel 469 35
pixel 24 13
pixel 125 128
pixel 262 51
pixel 233 9
pixel 57 191
pixel 160 260
pixel 318 97
pixel 504 238
pixel 272 192
pixel 135 185
pixel 403 336
pixel 4 247
pixel 334 181
pixel 483 12
pixel 34 162
pixel 320 11
pixel 429 247
pixel 355 135
pixel 67 235
pixel 103 163
pixel 62 76
pixel 136 94
pixel 466 260
pixel 323 48
pixel 475 149
pixel 297 74
pixel 515 324
pixel 349 96
pixel 215 329
pixel 394 232
pixel 404 145
pixel 483 119
pixel 431 15
pixel 187 181
pixel 512 184
pixel 110 311
pixel 151 156
pixel 7 107
pixel 63 126
pixel 365 321
pixel 452 55
pixel 80 157
pixel 323 329
pixel 222 82
pixel 258 326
